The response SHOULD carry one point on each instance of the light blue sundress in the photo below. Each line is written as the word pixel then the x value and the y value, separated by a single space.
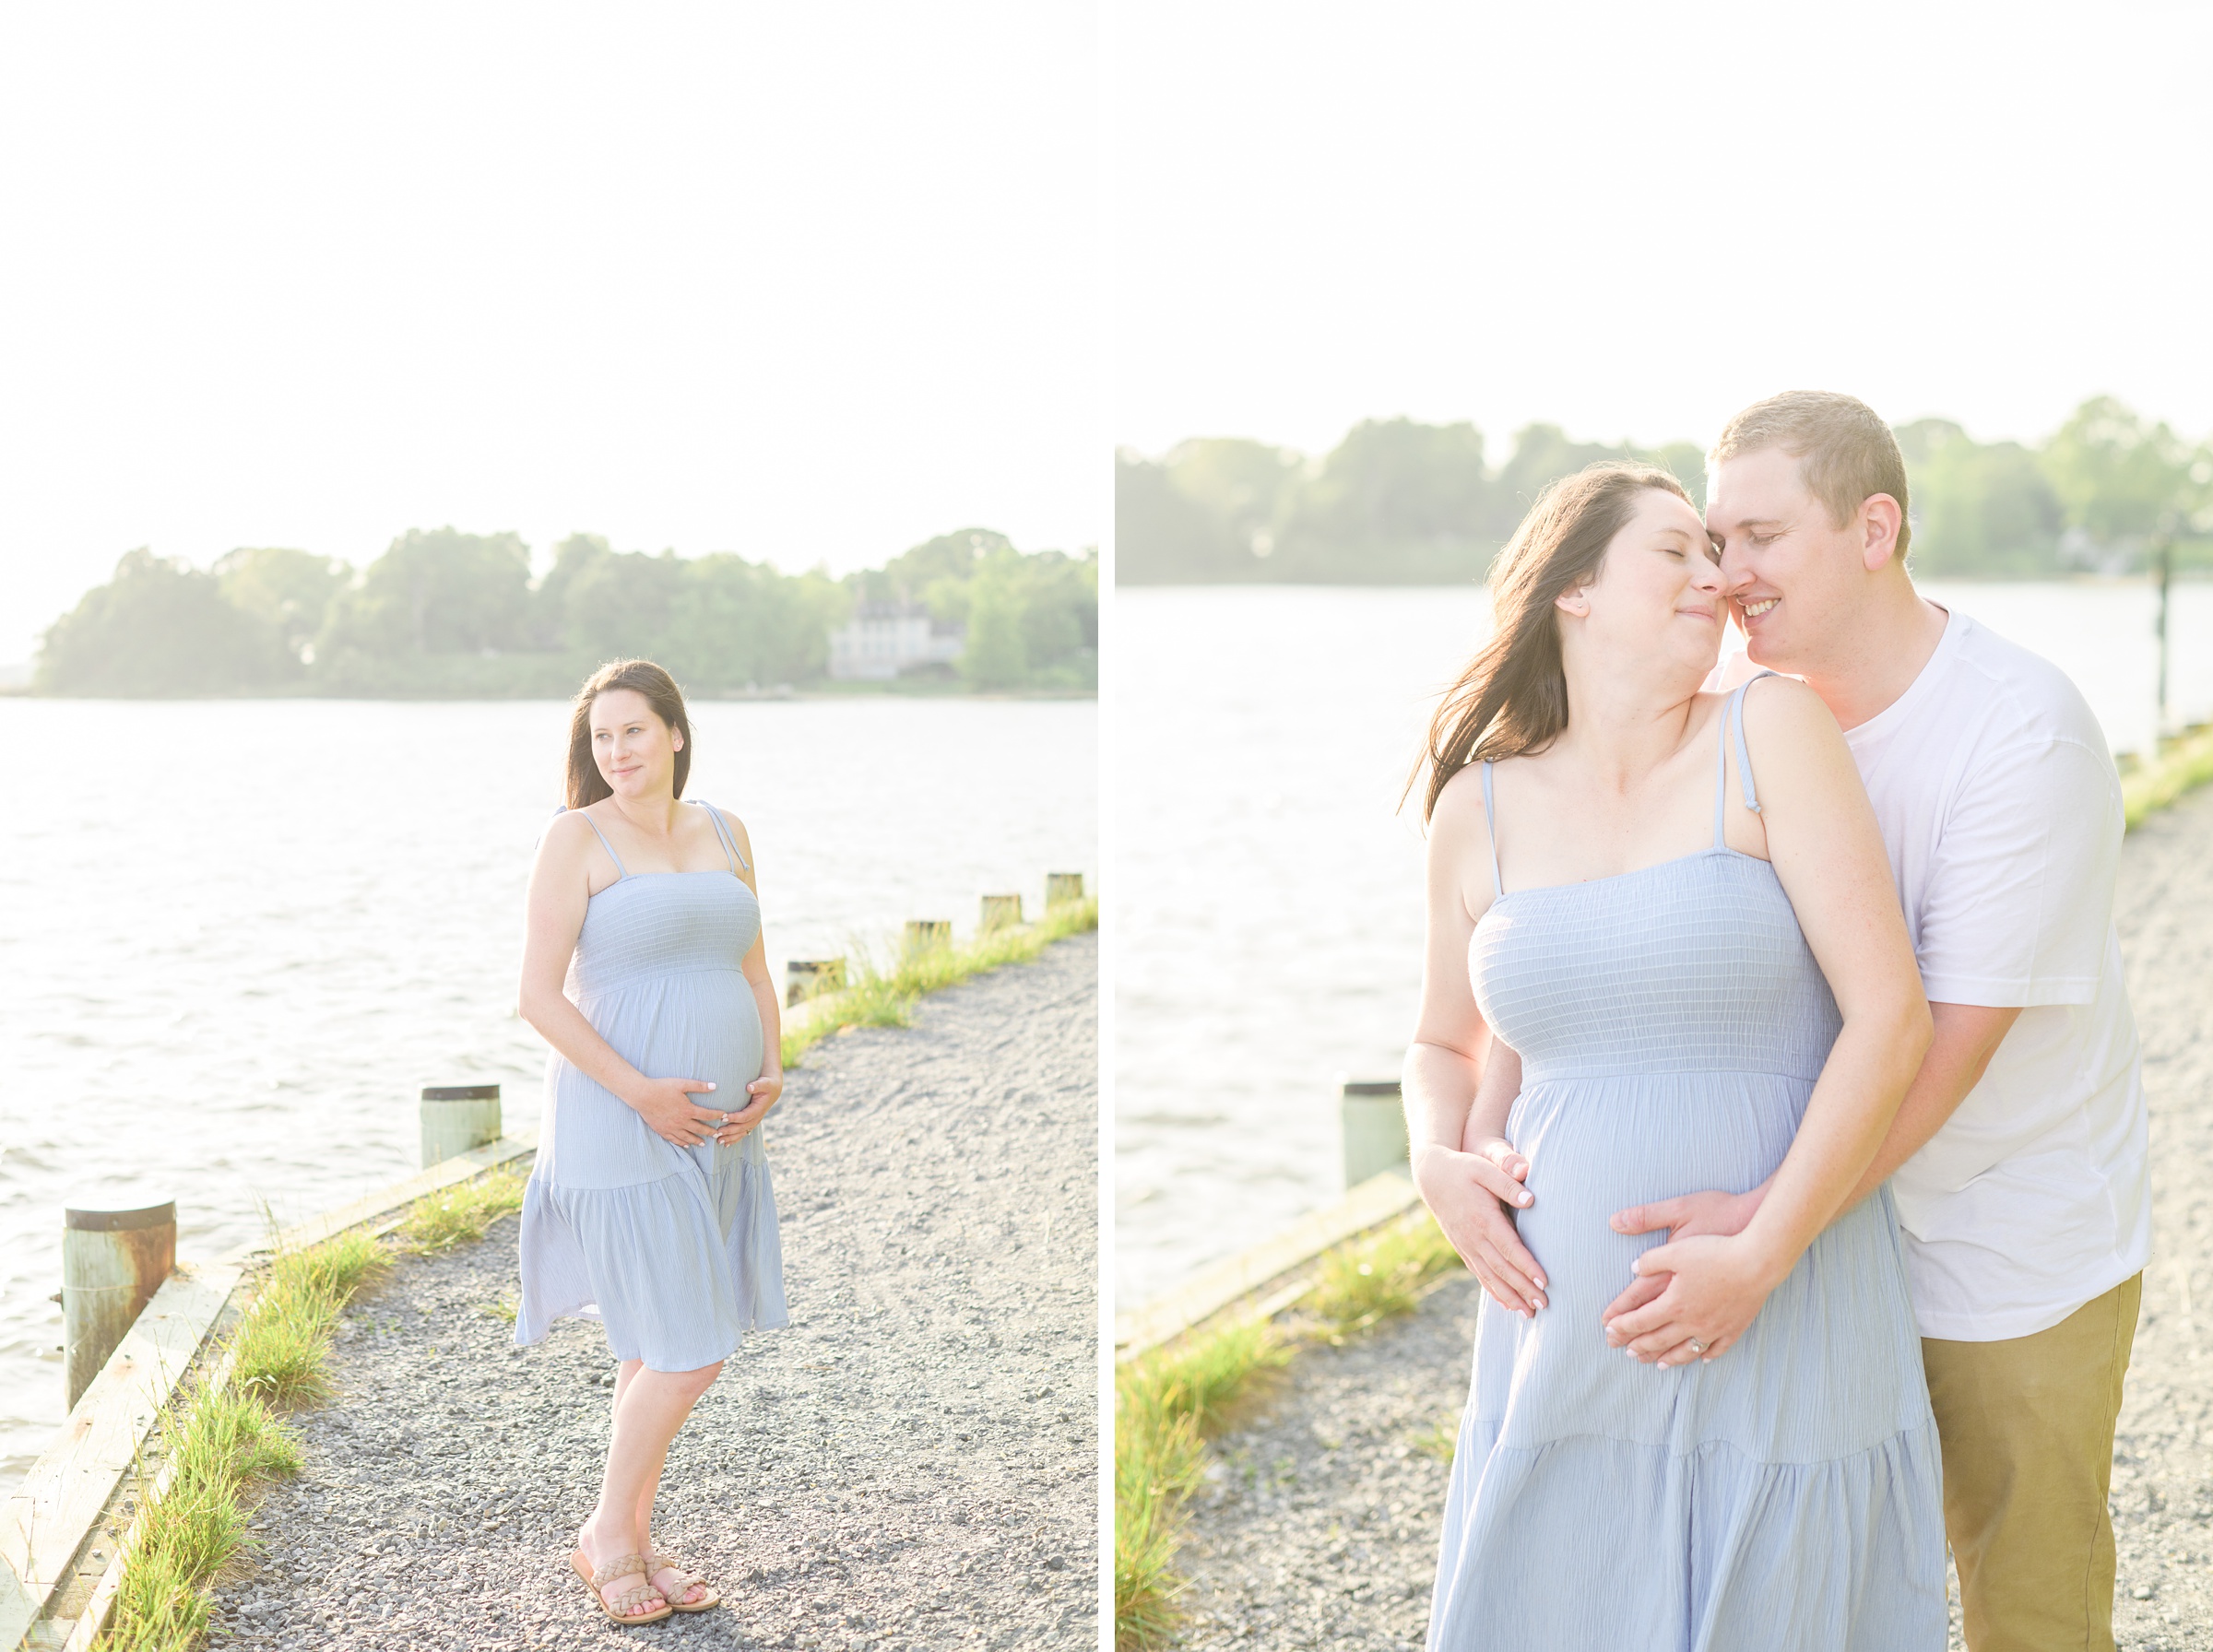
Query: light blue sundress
pixel 673 1250
pixel 1786 1497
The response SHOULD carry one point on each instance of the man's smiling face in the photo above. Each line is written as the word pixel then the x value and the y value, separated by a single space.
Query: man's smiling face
pixel 1789 571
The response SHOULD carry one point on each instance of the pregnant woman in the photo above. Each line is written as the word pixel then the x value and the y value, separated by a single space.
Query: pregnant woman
pixel 1664 918
pixel 650 1207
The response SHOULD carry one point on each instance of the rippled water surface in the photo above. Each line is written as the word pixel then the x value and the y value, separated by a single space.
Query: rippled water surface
pixel 1268 897
pixel 236 937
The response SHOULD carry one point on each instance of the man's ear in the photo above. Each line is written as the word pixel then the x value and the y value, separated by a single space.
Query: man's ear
pixel 1879 521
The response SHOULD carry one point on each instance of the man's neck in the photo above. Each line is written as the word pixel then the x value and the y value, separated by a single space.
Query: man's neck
pixel 1892 642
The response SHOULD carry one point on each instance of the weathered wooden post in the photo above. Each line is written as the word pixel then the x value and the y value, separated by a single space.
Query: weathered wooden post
pixel 807 978
pixel 1001 911
pixel 1063 887
pixel 922 934
pixel 112 1262
pixel 456 1117
pixel 1375 1129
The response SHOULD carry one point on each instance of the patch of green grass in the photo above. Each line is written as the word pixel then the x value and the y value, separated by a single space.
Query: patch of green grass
pixel 1165 1403
pixel 883 994
pixel 2185 764
pixel 228 1444
pixel 228 1440
pixel 278 1352
pixel 1369 1280
pixel 439 1222
pixel 501 1309
pixel 1439 1440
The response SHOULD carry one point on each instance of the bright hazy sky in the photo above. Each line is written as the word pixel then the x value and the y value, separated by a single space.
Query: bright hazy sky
pixel 1634 219
pixel 810 283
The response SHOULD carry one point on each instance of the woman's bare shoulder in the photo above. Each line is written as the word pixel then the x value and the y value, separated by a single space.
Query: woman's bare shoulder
pixel 1460 814
pixel 1781 710
pixel 568 832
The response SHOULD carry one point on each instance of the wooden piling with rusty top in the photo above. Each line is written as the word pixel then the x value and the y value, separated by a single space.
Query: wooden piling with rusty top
pixel 112 1262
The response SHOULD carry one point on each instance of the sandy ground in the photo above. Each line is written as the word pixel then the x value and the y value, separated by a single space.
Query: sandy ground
pixel 1319 1526
pixel 913 1463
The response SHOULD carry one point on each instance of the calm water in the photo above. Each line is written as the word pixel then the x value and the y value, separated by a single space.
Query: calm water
pixel 237 937
pixel 1269 895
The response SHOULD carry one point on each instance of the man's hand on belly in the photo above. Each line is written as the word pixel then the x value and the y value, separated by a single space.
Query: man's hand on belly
pixel 1693 1213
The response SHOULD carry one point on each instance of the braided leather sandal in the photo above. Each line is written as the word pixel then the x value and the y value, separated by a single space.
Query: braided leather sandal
pixel 629 1607
pixel 684 1580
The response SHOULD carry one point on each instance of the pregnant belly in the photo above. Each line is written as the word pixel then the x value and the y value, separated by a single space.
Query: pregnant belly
pixel 704 1026
pixel 1832 1361
pixel 1597 1146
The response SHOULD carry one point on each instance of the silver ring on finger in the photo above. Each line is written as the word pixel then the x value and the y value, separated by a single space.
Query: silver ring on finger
pixel 1697 1346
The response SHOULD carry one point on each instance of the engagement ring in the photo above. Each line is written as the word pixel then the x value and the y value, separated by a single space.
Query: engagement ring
pixel 1697 1346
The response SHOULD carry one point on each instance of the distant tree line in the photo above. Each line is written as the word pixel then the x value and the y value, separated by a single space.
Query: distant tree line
pixel 445 613
pixel 1401 503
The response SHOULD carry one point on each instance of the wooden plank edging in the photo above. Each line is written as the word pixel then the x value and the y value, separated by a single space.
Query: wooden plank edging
pixel 1270 1263
pixel 69 1497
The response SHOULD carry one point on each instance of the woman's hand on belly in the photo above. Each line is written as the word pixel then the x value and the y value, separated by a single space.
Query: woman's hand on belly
pixel 764 1091
pixel 670 1112
pixel 1464 1191
pixel 1715 1285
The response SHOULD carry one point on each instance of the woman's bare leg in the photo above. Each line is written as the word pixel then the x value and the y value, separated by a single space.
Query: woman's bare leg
pixel 650 1407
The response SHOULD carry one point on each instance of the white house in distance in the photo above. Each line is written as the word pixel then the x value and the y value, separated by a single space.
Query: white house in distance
pixel 883 638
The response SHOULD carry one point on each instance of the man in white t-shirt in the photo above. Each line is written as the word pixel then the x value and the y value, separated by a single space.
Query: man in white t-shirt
pixel 2018 1159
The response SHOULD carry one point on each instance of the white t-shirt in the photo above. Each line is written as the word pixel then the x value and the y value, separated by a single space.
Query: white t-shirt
pixel 2001 809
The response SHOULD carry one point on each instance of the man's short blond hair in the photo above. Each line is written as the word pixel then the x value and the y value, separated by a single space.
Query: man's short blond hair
pixel 1845 451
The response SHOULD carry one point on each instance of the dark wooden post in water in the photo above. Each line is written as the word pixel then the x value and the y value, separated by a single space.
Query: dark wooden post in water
pixel 112 1262
pixel 1375 1129
pixel 1062 888
pixel 925 933
pixel 1001 911
pixel 810 977
pixel 456 1117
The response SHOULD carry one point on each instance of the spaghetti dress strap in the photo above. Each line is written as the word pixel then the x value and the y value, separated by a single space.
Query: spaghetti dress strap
pixel 1743 756
pixel 622 871
pixel 729 843
pixel 1490 819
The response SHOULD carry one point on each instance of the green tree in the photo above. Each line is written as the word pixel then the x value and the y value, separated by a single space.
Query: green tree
pixel 290 591
pixel 734 623
pixel 2116 479
pixel 1978 511
pixel 1395 502
pixel 621 604
pixel 548 609
pixel 1164 536
pixel 440 592
pixel 996 654
pixel 1060 619
pixel 159 628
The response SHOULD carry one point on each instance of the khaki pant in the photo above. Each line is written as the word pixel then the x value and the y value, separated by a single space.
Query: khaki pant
pixel 2027 1426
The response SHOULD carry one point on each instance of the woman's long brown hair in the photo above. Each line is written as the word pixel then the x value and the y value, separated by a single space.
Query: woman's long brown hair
pixel 587 784
pixel 1512 698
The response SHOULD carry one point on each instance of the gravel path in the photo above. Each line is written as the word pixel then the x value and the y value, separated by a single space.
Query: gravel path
pixel 1318 1525
pixel 913 1463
